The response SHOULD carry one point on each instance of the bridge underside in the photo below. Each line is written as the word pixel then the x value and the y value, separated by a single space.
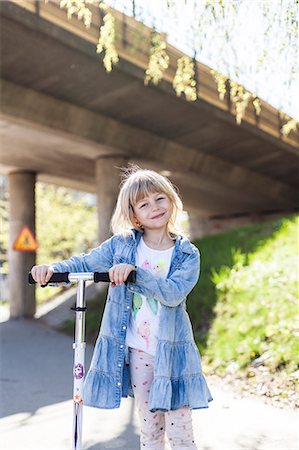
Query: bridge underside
pixel 61 111
pixel 64 120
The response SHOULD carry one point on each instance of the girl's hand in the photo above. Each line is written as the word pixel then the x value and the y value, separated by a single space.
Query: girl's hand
pixel 119 273
pixel 42 274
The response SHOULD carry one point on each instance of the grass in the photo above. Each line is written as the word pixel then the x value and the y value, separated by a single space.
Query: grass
pixel 253 289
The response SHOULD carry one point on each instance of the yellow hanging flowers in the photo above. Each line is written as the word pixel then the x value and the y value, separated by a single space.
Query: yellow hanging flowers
pixel 79 7
pixel 290 125
pixel 240 98
pixel 257 105
pixel 184 81
pixel 221 83
pixel 158 62
pixel 107 40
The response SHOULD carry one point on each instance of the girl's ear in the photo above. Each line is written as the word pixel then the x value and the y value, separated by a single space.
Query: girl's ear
pixel 136 222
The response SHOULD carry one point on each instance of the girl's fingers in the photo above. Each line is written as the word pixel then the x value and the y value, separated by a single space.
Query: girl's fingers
pixel 48 274
pixel 116 276
pixel 127 273
pixel 111 274
pixel 44 275
pixel 33 273
pixel 119 273
pixel 41 274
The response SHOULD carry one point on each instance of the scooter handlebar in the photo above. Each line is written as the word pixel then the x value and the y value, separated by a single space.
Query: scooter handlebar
pixel 63 277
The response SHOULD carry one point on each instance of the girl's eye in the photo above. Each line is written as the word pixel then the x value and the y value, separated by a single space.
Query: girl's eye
pixel 141 206
pixel 160 198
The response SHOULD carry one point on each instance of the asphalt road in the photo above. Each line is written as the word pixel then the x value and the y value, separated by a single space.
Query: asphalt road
pixel 36 406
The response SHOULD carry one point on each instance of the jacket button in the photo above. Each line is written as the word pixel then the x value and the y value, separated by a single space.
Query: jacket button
pixel 121 346
pixel 119 364
pixel 118 384
pixel 124 327
pixel 128 307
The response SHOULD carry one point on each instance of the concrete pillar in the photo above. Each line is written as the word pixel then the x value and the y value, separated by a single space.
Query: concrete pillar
pixel 107 188
pixel 197 225
pixel 21 212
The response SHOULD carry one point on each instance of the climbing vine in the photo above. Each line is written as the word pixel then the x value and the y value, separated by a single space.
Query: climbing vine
pixel 240 97
pixel 221 83
pixel 290 125
pixel 80 8
pixel 107 39
pixel 257 105
pixel 158 61
pixel 184 79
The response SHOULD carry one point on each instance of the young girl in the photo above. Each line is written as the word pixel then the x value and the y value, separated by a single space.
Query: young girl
pixel 145 347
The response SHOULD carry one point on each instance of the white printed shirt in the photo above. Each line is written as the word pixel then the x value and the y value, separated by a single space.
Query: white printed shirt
pixel 144 319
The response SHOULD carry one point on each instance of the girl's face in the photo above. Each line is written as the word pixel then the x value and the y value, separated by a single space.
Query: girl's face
pixel 154 211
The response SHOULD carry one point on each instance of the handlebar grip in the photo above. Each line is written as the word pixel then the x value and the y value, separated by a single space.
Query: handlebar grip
pixel 132 277
pixel 55 278
pixel 104 276
pixel 101 276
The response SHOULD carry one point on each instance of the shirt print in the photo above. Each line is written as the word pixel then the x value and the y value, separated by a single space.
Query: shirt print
pixel 144 328
pixel 142 332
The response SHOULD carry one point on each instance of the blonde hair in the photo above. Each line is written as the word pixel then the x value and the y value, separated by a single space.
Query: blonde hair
pixel 137 184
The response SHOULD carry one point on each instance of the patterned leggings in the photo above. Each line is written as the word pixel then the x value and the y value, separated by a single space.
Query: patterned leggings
pixel 177 423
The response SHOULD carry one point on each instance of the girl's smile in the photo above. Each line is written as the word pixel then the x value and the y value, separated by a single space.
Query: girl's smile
pixel 158 216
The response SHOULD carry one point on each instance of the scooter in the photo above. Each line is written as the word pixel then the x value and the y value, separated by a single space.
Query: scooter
pixel 79 344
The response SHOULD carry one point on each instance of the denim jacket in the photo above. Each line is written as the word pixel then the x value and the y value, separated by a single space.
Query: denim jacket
pixel 178 378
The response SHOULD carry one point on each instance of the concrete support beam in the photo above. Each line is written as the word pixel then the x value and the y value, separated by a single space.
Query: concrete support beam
pixel 64 117
pixel 107 188
pixel 21 212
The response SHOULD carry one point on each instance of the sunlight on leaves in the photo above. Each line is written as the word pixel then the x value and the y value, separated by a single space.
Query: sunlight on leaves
pixel 184 81
pixel 158 61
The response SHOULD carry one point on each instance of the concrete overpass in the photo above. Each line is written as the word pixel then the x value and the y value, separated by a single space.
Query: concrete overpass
pixel 65 120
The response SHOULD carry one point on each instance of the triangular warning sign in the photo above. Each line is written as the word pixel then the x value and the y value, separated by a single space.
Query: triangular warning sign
pixel 25 242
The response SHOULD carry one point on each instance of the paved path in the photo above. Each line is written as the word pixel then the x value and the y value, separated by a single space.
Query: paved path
pixel 36 406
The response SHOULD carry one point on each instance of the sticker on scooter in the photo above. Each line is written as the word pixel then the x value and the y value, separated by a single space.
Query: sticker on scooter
pixel 78 399
pixel 78 371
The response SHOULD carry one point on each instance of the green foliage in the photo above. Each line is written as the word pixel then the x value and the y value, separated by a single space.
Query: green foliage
pixel 254 293
pixel 221 250
pixel 66 224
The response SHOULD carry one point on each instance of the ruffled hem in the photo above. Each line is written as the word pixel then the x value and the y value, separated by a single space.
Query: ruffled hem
pixel 167 394
pixel 100 391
